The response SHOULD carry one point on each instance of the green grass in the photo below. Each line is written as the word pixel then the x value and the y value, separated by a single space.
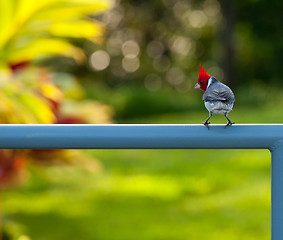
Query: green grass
pixel 150 194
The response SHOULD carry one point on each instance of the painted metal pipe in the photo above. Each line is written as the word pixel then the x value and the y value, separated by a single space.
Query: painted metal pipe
pixel 277 192
pixel 159 136
pixel 139 136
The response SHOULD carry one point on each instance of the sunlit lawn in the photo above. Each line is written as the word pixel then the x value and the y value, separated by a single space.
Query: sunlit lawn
pixel 150 194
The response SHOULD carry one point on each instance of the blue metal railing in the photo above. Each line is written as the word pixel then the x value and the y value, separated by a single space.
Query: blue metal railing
pixel 159 136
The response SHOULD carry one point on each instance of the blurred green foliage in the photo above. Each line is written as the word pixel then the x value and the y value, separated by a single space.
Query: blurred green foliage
pixel 31 31
pixel 259 42
pixel 155 48
pixel 150 194
pixel 35 29
pixel 146 65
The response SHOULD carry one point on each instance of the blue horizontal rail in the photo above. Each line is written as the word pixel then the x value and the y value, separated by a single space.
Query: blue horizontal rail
pixel 139 136
pixel 160 136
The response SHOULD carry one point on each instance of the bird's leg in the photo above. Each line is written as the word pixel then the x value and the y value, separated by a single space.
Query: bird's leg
pixel 206 123
pixel 229 122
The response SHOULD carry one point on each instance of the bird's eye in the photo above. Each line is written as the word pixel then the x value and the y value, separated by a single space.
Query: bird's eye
pixel 201 82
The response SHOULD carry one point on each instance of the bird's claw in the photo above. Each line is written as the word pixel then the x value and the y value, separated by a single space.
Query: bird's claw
pixel 206 124
pixel 229 124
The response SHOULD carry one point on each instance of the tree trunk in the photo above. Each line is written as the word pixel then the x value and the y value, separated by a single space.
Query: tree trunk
pixel 227 38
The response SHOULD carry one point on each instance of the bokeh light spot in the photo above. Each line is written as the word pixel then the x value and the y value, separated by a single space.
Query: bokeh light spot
pixel 99 60
pixel 198 19
pixel 162 64
pixel 175 76
pixel 181 45
pixel 155 49
pixel 211 8
pixel 130 49
pixel 130 64
pixel 152 82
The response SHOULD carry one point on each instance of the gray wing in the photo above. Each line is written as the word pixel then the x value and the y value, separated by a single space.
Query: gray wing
pixel 219 92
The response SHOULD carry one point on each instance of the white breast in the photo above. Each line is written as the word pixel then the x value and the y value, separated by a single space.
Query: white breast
pixel 218 107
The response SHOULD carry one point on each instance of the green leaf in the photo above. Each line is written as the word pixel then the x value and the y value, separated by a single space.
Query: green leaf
pixel 76 29
pixel 28 28
pixel 45 47
pixel 38 108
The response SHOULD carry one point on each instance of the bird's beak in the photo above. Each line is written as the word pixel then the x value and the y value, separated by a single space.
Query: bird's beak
pixel 197 86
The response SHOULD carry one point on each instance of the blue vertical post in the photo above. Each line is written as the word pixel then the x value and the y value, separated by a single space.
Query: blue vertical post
pixel 277 192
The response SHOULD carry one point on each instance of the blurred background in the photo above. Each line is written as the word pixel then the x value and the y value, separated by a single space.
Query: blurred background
pixel 100 61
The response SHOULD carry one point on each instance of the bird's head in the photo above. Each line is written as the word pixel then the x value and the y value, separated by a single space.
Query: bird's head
pixel 202 79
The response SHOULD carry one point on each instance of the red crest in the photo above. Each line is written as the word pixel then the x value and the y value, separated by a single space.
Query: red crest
pixel 203 75
pixel 202 79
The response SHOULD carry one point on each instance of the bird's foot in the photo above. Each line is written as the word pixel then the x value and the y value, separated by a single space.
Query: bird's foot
pixel 229 124
pixel 206 124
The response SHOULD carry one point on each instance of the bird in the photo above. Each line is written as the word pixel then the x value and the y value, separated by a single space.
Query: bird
pixel 218 98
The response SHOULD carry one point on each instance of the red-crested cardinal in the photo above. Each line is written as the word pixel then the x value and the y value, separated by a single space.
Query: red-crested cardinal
pixel 218 98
